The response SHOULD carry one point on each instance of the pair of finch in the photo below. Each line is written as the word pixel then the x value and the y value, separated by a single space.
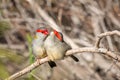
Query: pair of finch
pixel 51 45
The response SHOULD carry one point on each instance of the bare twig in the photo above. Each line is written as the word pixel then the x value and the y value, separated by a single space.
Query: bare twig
pixel 110 44
pixel 104 35
pixel 70 52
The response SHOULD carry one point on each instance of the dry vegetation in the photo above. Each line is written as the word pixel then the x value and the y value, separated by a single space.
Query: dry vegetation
pixel 81 21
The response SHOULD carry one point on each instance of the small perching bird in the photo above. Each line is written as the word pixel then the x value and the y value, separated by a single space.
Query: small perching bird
pixel 56 47
pixel 38 45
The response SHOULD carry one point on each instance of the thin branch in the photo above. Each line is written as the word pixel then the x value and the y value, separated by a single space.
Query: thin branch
pixel 104 35
pixel 36 77
pixel 69 52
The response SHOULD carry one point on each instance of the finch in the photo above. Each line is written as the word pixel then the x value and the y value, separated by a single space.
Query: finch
pixel 38 45
pixel 56 47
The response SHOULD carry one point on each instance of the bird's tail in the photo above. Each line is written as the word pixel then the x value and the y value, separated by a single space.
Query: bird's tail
pixel 52 64
pixel 74 58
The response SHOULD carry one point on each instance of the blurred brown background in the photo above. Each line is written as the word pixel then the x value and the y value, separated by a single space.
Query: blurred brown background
pixel 81 20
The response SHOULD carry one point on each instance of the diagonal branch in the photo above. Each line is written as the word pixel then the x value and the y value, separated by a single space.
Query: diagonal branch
pixel 28 69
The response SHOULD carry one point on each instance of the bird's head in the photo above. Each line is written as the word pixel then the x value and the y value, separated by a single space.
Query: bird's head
pixel 41 33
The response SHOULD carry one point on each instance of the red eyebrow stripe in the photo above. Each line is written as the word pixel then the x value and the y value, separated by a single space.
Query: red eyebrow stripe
pixel 43 31
pixel 57 35
pixel 55 31
pixel 39 30
pixel 46 30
